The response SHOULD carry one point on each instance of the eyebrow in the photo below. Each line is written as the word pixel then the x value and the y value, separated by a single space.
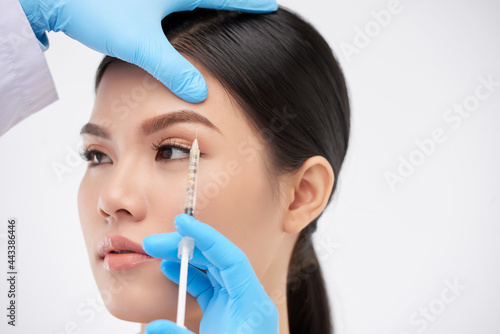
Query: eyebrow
pixel 155 124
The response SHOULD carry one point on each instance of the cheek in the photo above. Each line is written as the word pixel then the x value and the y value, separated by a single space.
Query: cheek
pixel 82 198
pixel 89 221
pixel 87 207
pixel 240 206
pixel 166 200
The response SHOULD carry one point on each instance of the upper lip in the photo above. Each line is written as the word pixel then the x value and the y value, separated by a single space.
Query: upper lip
pixel 118 243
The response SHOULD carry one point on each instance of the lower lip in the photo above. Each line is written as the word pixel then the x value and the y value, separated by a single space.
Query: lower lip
pixel 125 261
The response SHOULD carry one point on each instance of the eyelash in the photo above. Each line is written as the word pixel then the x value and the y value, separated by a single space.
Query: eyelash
pixel 87 154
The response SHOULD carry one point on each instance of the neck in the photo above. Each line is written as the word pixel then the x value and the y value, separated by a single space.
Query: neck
pixel 275 284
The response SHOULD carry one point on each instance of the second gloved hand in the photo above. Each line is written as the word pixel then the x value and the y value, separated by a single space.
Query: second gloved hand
pixel 131 30
pixel 230 295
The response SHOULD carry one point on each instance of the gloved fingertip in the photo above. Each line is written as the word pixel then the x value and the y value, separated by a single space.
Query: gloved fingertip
pixel 273 6
pixel 157 326
pixel 170 270
pixel 150 241
pixel 264 6
pixel 183 219
pixel 195 90
pixel 166 264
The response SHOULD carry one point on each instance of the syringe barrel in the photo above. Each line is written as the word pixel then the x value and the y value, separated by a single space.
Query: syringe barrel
pixel 192 178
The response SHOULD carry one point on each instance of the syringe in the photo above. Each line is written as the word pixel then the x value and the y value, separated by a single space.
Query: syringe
pixel 186 245
pixel 194 160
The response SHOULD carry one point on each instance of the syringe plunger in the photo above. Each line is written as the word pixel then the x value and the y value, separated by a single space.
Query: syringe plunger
pixel 186 245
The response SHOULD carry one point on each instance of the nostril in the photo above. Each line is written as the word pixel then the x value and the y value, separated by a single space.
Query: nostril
pixel 102 213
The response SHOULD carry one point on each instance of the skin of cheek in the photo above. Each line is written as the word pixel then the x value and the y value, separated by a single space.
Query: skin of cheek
pixel 119 288
pixel 242 209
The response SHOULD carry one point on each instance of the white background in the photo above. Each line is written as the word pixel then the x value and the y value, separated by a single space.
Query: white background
pixel 386 253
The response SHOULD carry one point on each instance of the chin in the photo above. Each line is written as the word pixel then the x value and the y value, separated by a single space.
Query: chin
pixel 137 305
pixel 141 294
pixel 142 306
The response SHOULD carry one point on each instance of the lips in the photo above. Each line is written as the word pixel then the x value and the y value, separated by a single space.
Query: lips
pixel 120 253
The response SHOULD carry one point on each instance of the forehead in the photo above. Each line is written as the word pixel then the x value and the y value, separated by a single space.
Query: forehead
pixel 127 95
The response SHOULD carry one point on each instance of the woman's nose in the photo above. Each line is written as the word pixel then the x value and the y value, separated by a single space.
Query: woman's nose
pixel 122 195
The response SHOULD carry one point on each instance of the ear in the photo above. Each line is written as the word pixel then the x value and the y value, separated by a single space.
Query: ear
pixel 308 191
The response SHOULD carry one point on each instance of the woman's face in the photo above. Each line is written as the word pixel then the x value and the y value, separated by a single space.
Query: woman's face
pixel 134 190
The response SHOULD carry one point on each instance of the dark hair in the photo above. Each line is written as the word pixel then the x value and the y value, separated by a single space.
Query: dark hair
pixel 281 71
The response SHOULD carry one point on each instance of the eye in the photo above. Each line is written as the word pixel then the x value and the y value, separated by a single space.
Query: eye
pixel 92 156
pixel 171 152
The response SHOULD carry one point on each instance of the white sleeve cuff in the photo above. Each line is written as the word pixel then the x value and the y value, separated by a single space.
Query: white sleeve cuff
pixel 26 85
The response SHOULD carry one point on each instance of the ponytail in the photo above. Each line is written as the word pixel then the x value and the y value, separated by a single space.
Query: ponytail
pixel 307 297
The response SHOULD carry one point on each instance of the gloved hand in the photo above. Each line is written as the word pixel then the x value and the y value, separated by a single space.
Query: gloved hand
pixel 131 30
pixel 229 294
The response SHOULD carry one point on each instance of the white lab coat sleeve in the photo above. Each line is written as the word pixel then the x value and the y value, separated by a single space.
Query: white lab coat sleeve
pixel 26 85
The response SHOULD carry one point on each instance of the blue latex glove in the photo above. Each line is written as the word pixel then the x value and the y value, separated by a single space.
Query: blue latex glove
pixel 229 294
pixel 131 30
